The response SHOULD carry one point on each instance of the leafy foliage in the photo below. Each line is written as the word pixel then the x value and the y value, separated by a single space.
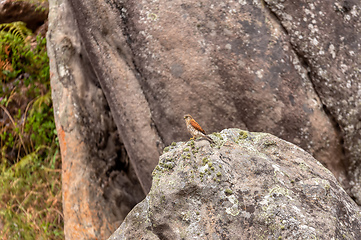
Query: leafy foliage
pixel 30 185
pixel 17 29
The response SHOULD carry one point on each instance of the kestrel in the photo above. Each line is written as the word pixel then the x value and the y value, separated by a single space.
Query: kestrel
pixel 194 129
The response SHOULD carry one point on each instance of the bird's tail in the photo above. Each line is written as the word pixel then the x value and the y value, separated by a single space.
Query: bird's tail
pixel 209 139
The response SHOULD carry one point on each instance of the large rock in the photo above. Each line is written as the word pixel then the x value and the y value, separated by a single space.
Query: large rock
pixel 99 183
pixel 247 186
pixel 327 38
pixel 247 64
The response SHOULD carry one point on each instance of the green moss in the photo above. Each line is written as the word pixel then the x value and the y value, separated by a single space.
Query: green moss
pixel 210 164
pixel 218 135
pixel 212 168
pixel 173 144
pixel 268 143
pixel 219 174
pixel 228 191
pixel 303 166
pixel 168 165
pixel 166 149
pixel 186 149
pixel 191 144
pixel 205 161
pixel 243 135
pixel 279 190
pixel 220 165
pixel 153 16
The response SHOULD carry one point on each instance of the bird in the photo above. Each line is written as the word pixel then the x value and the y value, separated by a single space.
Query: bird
pixel 194 129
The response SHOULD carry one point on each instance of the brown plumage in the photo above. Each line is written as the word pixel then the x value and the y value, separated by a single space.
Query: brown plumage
pixel 195 129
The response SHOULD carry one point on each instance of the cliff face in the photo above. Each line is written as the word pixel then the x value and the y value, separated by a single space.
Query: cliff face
pixel 125 72
pixel 246 186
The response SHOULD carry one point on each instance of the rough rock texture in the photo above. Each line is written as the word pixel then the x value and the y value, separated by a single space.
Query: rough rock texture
pixel 270 66
pixel 248 186
pixel 99 183
pixel 328 39
pixel 33 14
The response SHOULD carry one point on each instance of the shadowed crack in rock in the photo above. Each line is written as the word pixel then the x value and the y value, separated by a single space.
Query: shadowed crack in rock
pixel 120 86
pixel 308 68
pixel 120 7
pixel 227 73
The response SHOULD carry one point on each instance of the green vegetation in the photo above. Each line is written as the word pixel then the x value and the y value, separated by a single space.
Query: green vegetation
pixel 243 135
pixel 228 191
pixel 204 161
pixel 30 175
pixel 166 149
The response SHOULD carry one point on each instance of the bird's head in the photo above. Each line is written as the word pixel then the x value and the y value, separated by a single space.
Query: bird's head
pixel 187 117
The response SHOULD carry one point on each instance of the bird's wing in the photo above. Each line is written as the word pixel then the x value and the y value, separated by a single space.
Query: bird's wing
pixel 196 126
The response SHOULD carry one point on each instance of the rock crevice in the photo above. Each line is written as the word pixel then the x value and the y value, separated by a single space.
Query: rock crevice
pixel 232 64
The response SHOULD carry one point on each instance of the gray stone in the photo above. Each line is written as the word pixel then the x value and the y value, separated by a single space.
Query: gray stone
pixel 327 38
pixel 99 183
pixel 247 186
pixel 268 66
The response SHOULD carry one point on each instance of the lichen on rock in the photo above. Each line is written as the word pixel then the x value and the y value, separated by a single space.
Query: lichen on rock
pixel 267 188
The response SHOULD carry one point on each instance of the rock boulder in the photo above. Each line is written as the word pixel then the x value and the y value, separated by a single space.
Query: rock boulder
pixel 247 186
pixel 136 67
